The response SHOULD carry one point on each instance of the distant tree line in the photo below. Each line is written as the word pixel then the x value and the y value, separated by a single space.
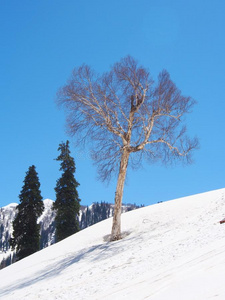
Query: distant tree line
pixel 98 212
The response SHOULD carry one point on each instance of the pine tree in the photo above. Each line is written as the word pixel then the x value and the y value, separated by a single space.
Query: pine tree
pixel 26 231
pixel 67 204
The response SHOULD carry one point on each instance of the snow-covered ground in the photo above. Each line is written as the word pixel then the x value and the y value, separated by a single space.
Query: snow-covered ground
pixel 170 251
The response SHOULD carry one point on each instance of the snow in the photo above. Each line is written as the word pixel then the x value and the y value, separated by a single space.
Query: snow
pixel 171 250
pixel 7 214
pixel 11 205
pixel 48 202
pixel 47 212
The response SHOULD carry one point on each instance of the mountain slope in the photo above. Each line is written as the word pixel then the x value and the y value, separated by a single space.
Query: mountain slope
pixel 172 250
pixel 7 215
pixel 88 216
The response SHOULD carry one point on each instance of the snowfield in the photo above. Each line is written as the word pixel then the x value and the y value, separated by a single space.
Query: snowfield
pixel 170 251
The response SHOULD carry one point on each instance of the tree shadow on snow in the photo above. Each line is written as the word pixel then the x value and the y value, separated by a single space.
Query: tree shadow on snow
pixel 94 253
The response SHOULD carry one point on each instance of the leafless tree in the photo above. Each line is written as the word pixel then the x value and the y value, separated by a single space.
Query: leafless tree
pixel 123 112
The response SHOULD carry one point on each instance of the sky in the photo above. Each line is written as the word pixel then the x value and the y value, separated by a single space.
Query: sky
pixel 42 41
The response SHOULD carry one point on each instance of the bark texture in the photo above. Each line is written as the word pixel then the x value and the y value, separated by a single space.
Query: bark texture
pixel 116 227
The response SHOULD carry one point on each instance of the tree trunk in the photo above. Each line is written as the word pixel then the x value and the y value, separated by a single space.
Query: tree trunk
pixel 116 227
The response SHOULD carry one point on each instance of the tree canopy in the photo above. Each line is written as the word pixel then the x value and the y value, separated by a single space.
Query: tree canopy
pixel 126 117
pixel 26 231
pixel 67 204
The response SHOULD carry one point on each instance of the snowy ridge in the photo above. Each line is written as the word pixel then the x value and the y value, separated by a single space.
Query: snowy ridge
pixel 9 206
pixel 172 250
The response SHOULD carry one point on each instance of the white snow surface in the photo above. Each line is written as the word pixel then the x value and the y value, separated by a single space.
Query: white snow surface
pixel 171 250
pixel 10 205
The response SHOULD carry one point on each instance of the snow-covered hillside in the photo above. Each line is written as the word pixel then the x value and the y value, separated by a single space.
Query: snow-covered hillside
pixel 88 215
pixel 170 251
pixel 7 215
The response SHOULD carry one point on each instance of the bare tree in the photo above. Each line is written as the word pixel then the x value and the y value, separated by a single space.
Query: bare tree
pixel 123 112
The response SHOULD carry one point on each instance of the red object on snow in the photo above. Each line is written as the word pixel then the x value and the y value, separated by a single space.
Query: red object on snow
pixel 222 221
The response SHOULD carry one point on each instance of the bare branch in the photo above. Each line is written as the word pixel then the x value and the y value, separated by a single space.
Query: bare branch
pixel 122 113
pixel 122 109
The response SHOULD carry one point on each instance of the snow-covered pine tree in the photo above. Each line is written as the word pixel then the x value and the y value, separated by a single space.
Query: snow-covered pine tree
pixel 67 204
pixel 26 231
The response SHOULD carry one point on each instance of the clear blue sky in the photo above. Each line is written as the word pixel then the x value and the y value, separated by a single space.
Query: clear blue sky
pixel 42 41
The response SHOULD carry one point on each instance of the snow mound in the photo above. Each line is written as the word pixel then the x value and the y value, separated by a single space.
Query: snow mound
pixel 171 250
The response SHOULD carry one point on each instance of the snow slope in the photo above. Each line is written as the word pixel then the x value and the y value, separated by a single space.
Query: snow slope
pixel 7 215
pixel 172 250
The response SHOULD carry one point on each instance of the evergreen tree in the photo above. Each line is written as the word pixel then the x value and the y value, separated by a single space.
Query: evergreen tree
pixel 67 204
pixel 26 231
pixel 103 211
